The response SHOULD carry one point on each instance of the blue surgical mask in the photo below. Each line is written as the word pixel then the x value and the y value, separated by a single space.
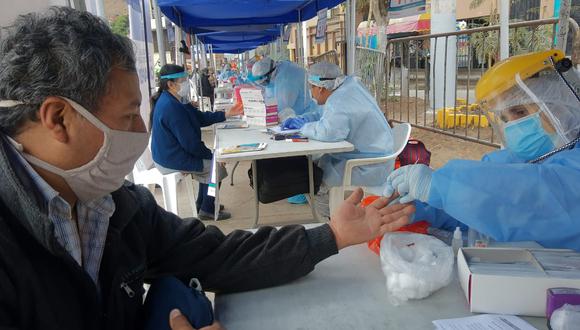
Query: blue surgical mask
pixel 526 137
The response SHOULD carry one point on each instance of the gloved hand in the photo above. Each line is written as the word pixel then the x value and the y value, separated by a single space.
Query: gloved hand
pixel 412 182
pixel 294 123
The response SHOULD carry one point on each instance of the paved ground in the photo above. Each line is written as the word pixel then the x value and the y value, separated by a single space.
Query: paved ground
pixel 238 199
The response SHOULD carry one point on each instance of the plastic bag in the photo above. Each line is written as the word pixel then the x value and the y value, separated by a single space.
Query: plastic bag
pixel 566 317
pixel 415 265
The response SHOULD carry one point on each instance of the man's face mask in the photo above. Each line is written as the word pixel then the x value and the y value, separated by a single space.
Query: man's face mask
pixel 526 137
pixel 106 172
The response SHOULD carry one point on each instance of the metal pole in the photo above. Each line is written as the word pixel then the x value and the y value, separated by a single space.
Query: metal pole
pixel 78 4
pixel 144 10
pixel 160 33
pixel 504 21
pixel 179 56
pixel 100 8
pixel 299 42
pixel 563 25
pixel 350 36
pixel 213 59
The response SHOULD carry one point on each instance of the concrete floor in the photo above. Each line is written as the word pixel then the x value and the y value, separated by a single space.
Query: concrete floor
pixel 239 201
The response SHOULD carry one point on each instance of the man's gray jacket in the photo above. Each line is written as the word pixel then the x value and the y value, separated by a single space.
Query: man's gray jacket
pixel 42 287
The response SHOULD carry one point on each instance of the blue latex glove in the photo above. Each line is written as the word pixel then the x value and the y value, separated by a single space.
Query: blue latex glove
pixel 412 182
pixel 294 123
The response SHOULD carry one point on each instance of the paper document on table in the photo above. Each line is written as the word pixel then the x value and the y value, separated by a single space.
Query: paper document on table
pixel 484 322
pixel 243 148
pixel 280 130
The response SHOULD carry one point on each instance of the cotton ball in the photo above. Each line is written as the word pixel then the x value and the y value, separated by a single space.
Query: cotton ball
pixel 415 265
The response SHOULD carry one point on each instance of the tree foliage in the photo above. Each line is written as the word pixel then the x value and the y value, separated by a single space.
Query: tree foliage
pixel 120 25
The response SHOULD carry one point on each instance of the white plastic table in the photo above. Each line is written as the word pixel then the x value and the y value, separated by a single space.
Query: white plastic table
pixel 275 149
pixel 345 291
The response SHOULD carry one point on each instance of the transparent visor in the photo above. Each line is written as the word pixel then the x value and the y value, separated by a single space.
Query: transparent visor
pixel 543 106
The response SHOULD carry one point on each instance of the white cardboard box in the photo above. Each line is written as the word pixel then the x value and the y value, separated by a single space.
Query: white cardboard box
pixel 262 121
pixel 503 293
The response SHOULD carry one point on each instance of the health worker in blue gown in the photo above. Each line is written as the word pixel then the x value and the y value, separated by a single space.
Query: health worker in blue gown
pixel 349 113
pixel 287 82
pixel 529 191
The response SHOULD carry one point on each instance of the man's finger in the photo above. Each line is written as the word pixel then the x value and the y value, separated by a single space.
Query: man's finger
pixel 396 211
pixel 392 208
pixel 392 226
pixel 178 321
pixel 379 203
pixel 356 196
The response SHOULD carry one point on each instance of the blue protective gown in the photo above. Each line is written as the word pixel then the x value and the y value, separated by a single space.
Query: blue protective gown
pixel 508 199
pixel 351 114
pixel 291 88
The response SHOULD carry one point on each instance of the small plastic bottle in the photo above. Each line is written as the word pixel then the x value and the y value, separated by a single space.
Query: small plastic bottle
pixel 457 241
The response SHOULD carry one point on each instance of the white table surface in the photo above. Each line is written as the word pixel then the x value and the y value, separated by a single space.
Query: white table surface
pixel 275 149
pixel 345 291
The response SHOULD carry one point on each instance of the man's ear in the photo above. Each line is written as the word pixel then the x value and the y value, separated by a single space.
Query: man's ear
pixel 54 115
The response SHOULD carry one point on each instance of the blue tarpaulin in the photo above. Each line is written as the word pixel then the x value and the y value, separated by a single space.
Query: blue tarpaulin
pixel 231 37
pixel 207 13
pixel 239 25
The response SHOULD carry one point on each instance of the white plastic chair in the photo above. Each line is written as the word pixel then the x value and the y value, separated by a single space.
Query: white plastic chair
pixel 145 173
pixel 401 133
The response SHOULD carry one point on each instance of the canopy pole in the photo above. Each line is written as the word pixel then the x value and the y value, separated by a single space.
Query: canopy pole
pixel 160 34
pixel 212 55
pixel 203 55
pixel 563 25
pixel 305 43
pixel 299 42
pixel 180 56
pixel 504 29
pixel 100 9
pixel 350 35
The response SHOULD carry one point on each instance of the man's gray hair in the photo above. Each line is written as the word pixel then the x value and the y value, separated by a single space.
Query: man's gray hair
pixel 63 52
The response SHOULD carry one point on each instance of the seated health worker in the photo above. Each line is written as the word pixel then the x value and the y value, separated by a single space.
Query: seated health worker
pixel 287 81
pixel 349 113
pixel 527 191
pixel 176 143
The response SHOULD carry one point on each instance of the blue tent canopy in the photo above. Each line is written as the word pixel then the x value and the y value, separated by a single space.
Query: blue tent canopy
pixel 191 14
pixel 232 37
pixel 234 28
pixel 241 25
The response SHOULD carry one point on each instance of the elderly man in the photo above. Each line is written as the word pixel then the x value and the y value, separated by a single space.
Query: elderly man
pixel 77 244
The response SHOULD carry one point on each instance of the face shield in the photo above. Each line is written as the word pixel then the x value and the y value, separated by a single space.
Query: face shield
pixel 325 75
pixel 327 83
pixel 538 114
pixel 262 71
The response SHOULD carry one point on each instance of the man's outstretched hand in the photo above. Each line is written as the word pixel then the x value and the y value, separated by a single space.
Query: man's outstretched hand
pixel 353 224
pixel 178 321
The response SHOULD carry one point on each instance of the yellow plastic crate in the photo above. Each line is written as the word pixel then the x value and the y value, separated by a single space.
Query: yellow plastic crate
pixel 474 120
pixel 447 118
